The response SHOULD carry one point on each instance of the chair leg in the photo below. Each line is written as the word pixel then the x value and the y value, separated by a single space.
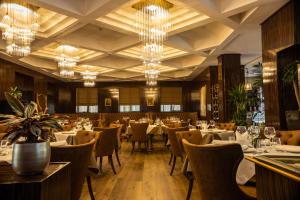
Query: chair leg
pixel 171 159
pixel 133 145
pixel 166 140
pixel 117 156
pixel 191 183
pixel 89 183
pixel 100 164
pixel 112 164
pixel 173 166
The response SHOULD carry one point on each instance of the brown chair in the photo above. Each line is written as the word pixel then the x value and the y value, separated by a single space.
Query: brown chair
pixel 289 137
pixel 184 124
pixel 194 137
pixel 139 134
pixel 67 127
pixel 214 168
pixel 230 126
pixel 176 150
pixel 79 156
pixel 106 146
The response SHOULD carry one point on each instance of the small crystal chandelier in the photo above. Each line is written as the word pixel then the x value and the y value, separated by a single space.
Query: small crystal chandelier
pixel 67 59
pixel 19 26
pixel 89 77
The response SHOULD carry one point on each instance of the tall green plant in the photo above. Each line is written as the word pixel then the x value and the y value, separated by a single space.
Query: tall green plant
pixel 238 97
pixel 290 76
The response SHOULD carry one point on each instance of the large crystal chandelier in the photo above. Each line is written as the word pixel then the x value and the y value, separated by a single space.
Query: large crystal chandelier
pixel 89 77
pixel 19 26
pixel 153 24
pixel 67 59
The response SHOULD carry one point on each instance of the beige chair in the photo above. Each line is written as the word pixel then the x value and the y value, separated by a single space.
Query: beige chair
pixel 289 137
pixel 139 134
pixel 79 157
pixel 106 146
pixel 214 168
pixel 176 150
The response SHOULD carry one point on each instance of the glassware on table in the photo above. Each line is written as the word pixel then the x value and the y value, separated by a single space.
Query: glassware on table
pixel 3 146
pixel 276 141
pixel 241 129
pixel 212 124
pixel 198 124
pixel 261 145
pixel 270 133
pixel 231 138
pixel 204 125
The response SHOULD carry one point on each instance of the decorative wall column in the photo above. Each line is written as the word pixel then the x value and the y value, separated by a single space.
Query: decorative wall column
pixel 280 47
pixel 230 74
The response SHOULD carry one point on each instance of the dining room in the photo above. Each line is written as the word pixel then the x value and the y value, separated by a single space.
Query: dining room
pixel 150 99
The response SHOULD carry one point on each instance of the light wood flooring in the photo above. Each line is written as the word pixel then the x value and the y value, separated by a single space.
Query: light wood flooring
pixel 141 176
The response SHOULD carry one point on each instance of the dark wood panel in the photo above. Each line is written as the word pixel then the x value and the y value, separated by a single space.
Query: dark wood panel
pixel 230 74
pixel 278 33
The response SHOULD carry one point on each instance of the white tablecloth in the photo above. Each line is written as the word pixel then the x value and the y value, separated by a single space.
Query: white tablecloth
pixel 68 136
pixel 223 134
pixel 152 129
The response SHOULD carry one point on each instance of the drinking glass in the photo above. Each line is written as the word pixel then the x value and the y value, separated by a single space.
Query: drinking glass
pixel 276 141
pixel 270 132
pixel 231 138
pixel 3 145
pixel 260 145
pixel 212 124
pixel 241 129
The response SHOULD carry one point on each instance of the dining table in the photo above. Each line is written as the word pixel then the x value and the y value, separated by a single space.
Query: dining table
pixel 151 130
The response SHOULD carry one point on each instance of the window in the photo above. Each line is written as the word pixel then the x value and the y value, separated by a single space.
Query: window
pixel 130 108
pixel 86 100
pixel 84 109
pixel 170 108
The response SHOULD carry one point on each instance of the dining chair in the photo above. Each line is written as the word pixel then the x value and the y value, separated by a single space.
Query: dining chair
pixel 193 137
pixel 214 168
pixel 83 137
pixel 139 134
pixel 79 157
pixel 289 137
pixel 176 150
pixel 107 145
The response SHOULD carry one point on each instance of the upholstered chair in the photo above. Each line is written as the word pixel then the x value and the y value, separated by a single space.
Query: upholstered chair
pixel 106 146
pixel 79 157
pixel 230 126
pixel 139 134
pixel 67 127
pixel 194 137
pixel 289 137
pixel 214 168
pixel 184 124
pixel 176 150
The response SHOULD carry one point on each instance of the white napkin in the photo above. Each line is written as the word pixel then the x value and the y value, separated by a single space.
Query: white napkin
pixel 58 143
pixel 288 148
pixel 242 138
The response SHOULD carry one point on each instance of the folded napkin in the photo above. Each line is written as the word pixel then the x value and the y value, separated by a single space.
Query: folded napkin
pixel 288 148
pixel 242 138
pixel 58 143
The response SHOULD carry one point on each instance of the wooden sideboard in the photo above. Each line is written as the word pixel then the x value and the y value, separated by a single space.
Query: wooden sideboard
pixel 54 183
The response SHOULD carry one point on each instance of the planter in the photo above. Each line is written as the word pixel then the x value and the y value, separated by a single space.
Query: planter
pixel 30 158
pixel 292 119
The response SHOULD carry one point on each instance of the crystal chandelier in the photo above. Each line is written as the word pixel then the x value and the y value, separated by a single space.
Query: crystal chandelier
pixel 151 75
pixel 67 59
pixel 89 77
pixel 153 20
pixel 19 26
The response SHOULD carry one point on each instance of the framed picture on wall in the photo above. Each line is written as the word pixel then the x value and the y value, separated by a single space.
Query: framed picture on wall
pixel 107 102
pixel 150 101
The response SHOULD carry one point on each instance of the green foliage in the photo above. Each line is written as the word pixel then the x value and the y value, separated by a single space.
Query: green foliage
pixel 238 97
pixel 290 73
pixel 27 122
pixel 16 92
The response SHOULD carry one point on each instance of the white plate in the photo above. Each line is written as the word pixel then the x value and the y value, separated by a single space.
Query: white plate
pixel 288 148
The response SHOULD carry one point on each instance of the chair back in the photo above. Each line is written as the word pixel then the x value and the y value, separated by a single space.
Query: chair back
pixel 289 137
pixel 79 157
pixel 175 145
pixel 139 132
pixel 184 124
pixel 226 126
pixel 107 141
pixel 214 168
pixel 67 127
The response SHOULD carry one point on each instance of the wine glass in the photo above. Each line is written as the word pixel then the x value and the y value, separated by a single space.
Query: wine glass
pixel 241 129
pixel 261 145
pixel 270 132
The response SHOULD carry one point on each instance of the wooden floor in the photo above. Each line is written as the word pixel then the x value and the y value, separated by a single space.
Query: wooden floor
pixel 141 176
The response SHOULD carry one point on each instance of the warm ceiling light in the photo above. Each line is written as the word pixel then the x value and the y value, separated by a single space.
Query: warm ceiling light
pixel 89 83
pixel 19 26
pixel 67 59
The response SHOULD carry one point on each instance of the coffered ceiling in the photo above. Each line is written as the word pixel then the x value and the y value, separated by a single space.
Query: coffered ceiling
pixel 107 42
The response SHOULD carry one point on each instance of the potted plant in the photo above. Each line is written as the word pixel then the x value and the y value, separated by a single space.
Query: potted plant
pixel 238 97
pixel 290 77
pixel 31 150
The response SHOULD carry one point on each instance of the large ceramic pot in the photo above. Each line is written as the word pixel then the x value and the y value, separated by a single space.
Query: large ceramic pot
pixel 292 119
pixel 30 158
